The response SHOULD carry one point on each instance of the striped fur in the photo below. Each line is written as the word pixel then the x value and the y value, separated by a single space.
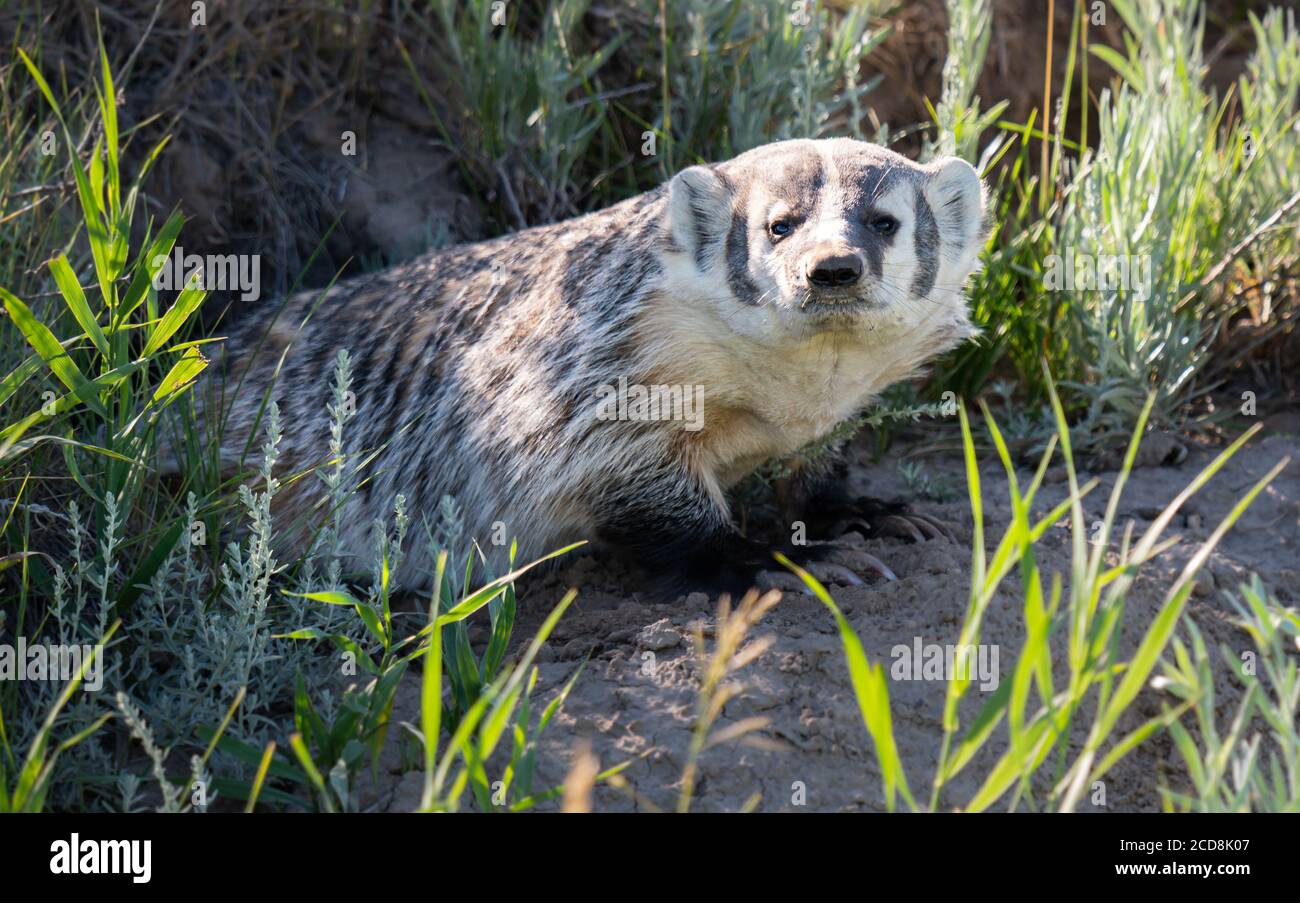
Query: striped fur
pixel 478 369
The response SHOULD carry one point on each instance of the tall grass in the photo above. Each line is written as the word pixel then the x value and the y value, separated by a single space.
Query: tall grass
pixel 1049 703
pixel 212 636
pixel 1152 191
pixel 543 136
pixel 959 121
pixel 1167 188
pixel 736 75
pixel 526 116
pixel 96 394
pixel 1241 769
pixel 32 195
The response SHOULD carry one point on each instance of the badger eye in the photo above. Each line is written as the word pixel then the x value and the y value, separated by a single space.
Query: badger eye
pixel 884 225
pixel 781 228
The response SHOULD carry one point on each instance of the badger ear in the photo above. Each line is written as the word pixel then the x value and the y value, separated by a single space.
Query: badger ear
pixel 699 212
pixel 958 200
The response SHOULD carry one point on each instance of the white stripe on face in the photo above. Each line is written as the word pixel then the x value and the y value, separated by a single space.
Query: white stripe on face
pixel 828 224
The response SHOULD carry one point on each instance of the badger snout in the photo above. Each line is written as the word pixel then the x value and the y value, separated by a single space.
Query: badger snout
pixel 833 268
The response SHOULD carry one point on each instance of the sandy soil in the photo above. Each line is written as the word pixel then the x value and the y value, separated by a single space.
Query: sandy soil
pixel 637 694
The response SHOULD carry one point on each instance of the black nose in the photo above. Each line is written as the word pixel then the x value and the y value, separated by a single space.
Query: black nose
pixel 835 270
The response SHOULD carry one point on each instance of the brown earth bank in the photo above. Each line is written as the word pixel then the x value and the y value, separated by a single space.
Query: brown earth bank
pixel 911 59
pixel 257 104
pixel 637 694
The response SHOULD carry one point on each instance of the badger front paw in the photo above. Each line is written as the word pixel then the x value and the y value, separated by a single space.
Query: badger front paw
pixel 752 564
pixel 875 518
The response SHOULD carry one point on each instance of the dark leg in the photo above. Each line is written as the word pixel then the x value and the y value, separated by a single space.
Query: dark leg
pixel 816 497
pixel 683 534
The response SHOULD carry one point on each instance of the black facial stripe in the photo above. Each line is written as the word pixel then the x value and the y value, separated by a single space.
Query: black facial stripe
pixel 800 181
pixel 864 186
pixel 925 239
pixel 738 279
pixel 873 245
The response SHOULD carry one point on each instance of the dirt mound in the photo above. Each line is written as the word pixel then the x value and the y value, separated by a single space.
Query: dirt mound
pixel 637 695
pixel 259 101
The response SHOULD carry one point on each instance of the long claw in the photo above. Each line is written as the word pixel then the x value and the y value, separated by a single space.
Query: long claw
pixel 940 528
pixel 827 572
pixel 924 526
pixel 916 527
pixel 936 527
pixel 903 527
pixel 878 566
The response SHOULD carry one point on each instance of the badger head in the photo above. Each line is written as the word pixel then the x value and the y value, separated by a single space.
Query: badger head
pixel 834 234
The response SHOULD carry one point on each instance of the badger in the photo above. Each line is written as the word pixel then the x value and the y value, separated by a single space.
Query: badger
pixel 611 377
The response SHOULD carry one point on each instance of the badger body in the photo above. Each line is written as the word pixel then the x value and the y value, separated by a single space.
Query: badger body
pixel 788 286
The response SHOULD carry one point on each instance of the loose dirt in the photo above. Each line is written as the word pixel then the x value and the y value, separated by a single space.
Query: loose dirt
pixel 637 694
